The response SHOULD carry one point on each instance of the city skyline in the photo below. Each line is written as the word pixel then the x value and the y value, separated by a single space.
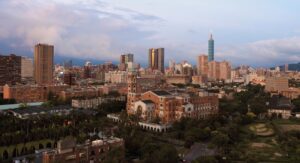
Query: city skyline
pixel 132 27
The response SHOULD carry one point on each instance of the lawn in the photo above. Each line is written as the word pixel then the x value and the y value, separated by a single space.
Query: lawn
pixel 263 147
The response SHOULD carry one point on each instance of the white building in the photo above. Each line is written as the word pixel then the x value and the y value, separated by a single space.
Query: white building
pixel 116 77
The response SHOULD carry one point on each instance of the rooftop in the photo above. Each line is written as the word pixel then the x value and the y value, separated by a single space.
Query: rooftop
pixel 39 109
pixel 16 106
pixel 147 101
pixel 277 102
pixel 162 93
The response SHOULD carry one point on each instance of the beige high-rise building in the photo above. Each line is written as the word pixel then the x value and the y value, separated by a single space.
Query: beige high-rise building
pixel 277 84
pixel 202 66
pixel 26 67
pixel 43 64
pixel 225 70
pixel 213 70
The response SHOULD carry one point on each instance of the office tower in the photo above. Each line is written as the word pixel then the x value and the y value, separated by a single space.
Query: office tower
pixel 211 48
pixel 156 59
pixel 225 70
pixel 10 69
pixel 43 64
pixel 26 68
pixel 124 60
pixel 202 66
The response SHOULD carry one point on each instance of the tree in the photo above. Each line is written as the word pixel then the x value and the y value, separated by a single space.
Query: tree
pixel 296 103
pixel 116 155
pixel 166 154
pixel 258 106
pixel 205 159
pixel 23 105
pixel 219 139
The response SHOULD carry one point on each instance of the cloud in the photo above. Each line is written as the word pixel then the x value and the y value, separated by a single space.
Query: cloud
pixel 264 52
pixel 96 29
pixel 77 28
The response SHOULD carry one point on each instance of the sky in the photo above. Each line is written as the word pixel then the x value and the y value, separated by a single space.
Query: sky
pixel 253 32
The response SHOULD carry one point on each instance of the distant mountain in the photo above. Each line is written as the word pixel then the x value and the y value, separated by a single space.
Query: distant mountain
pixel 77 61
pixel 292 67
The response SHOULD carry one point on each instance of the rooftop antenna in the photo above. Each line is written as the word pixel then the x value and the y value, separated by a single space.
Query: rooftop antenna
pixel 211 34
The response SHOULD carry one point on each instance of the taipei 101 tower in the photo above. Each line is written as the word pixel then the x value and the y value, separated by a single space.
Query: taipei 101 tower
pixel 211 48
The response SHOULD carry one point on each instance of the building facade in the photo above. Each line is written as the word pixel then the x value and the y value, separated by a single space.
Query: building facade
pixel 10 69
pixel 225 70
pixel 26 68
pixel 43 64
pixel 276 84
pixel 31 93
pixel 116 77
pixel 211 49
pixel 171 107
pixel 202 66
pixel 156 59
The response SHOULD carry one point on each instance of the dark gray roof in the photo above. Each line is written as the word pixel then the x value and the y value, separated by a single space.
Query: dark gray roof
pixel 39 109
pixel 148 102
pixel 161 93
pixel 277 102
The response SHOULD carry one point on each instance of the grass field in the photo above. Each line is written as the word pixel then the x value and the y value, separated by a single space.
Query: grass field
pixel 263 147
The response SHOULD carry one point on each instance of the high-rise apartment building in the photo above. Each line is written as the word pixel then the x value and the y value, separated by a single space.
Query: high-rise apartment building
pixel 124 60
pixel 26 68
pixel 43 63
pixel 10 69
pixel 202 66
pixel 276 84
pixel 211 48
pixel 225 70
pixel 156 59
pixel 213 70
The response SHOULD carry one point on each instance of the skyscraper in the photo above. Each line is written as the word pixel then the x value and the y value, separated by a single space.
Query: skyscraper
pixel 43 63
pixel 211 48
pixel 156 59
pixel 124 60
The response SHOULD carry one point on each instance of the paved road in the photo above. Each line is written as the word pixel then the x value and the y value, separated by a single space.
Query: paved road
pixel 197 150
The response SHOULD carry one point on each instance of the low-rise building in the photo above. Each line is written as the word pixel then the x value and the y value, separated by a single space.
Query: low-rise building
pixel 76 92
pixel 200 79
pixel 90 151
pixel 39 110
pixel 31 93
pixel 93 103
pixel 280 107
pixel 171 107
pixel 116 77
pixel 68 151
pixel 178 79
